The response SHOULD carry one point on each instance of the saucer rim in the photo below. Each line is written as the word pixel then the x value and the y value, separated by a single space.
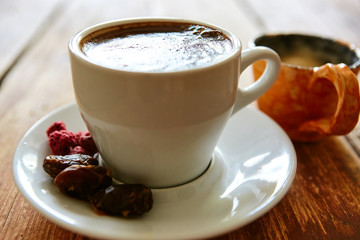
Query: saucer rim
pixel 44 210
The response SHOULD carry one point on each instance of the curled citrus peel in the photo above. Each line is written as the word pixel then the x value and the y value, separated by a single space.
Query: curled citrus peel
pixel 311 103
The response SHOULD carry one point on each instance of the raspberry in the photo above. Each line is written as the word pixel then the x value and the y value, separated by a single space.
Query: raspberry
pixel 79 135
pixel 61 142
pixel 56 126
pixel 85 140
pixel 78 150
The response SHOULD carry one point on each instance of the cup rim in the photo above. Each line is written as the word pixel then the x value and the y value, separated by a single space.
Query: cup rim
pixel 75 50
pixel 352 47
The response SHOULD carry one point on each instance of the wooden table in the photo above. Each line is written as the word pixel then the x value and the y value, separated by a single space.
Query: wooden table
pixel 322 203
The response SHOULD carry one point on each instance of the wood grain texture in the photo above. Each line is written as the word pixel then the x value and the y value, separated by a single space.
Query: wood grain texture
pixel 39 81
pixel 324 200
pixel 21 23
pixel 338 19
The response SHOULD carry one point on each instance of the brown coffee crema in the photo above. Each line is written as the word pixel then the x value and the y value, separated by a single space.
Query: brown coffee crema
pixel 309 51
pixel 156 46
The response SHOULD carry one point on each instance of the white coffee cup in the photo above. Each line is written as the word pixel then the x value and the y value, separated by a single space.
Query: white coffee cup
pixel 161 128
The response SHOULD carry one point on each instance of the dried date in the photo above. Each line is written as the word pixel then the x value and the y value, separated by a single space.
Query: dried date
pixel 81 181
pixel 54 164
pixel 125 200
pixel 78 175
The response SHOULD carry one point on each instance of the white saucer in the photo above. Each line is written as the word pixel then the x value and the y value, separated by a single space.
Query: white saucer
pixel 253 167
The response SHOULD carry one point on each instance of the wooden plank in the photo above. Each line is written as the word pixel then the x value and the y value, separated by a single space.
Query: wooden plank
pixel 20 21
pixel 323 202
pixel 354 138
pixel 316 206
pixel 338 19
pixel 40 81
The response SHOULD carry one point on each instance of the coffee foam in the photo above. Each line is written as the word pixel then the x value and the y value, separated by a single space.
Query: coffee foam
pixel 157 47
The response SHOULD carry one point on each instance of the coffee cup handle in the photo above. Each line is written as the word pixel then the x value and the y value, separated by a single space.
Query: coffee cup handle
pixel 249 94
pixel 348 105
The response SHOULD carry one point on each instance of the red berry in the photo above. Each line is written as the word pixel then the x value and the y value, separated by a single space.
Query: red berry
pixel 61 142
pixel 56 126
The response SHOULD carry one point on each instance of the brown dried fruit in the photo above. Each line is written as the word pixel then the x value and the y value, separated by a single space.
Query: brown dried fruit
pixel 54 164
pixel 81 181
pixel 125 200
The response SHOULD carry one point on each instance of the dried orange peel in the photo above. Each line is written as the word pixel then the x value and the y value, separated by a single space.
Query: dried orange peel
pixel 312 103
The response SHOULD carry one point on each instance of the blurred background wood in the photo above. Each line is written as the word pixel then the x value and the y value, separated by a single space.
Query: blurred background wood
pixel 324 200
